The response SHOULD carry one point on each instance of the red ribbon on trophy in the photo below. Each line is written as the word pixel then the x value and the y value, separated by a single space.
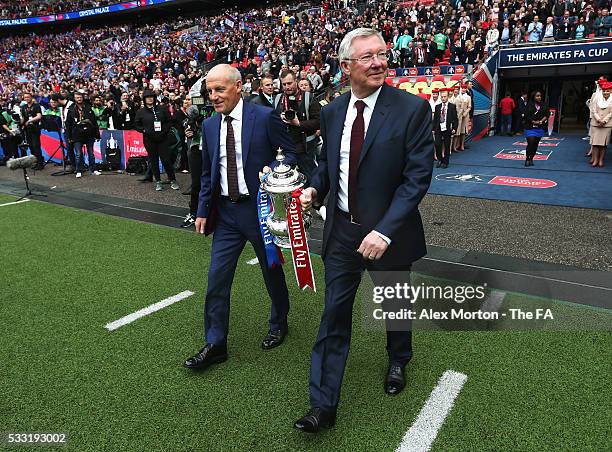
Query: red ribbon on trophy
pixel 299 244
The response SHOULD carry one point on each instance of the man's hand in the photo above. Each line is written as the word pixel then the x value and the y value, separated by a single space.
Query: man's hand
pixel 200 225
pixel 294 122
pixel 308 196
pixel 372 247
pixel 189 133
pixel 265 170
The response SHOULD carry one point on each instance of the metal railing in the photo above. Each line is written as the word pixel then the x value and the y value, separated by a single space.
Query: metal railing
pixel 553 43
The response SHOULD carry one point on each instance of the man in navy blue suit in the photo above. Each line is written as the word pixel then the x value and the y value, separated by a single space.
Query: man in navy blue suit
pixel 237 144
pixel 375 167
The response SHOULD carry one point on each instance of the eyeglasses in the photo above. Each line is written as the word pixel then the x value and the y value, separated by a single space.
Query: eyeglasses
pixel 367 59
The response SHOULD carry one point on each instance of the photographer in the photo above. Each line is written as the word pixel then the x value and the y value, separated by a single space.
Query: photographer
pixel 127 112
pixel 153 122
pixel 82 130
pixel 9 134
pixel 31 115
pixel 192 125
pixel 64 105
pixel 300 111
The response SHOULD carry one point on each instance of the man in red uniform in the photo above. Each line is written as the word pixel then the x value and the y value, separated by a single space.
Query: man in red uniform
pixel 506 106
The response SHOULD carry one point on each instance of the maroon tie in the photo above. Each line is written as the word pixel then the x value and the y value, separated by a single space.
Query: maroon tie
pixel 357 137
pixel 232 168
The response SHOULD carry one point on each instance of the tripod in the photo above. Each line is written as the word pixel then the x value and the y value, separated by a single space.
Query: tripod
pixel 26 178
pixel 53 123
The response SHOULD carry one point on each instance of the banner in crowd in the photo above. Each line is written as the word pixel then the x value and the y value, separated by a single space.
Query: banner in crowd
pixel 129 143
pixel 556 55
pixel 428 71
pixel 117 7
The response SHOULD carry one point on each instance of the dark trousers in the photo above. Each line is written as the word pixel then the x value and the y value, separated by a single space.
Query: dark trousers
pixel 70 154
pixel 343 271
pixel 195 164
pixel 442 142
pixel 91 159
pixel 532 147
pixel 236 225
pixel 9 146
pixel 307 160
pixel 33 139
pixel 157 150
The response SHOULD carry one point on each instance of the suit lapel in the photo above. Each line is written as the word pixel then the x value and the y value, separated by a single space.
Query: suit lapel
pixel 214 150
pixel 334 132
pixel 380 113
pixel 248 118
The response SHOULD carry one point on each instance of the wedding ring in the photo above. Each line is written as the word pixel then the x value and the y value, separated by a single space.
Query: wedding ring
pixel 371 257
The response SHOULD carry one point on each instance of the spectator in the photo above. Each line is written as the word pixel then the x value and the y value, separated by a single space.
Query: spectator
pixel 505 34
pixel 603 24
pixel 315 79
pixel 580 30
pixel 550 30
pixel 492 39
pixel 565 29
pixel 534 30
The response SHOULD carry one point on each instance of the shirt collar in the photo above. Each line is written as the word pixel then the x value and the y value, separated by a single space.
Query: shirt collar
pixel 370 101
pixel 236 113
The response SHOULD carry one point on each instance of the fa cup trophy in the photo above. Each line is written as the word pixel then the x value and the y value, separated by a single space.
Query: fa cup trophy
pixel 282 222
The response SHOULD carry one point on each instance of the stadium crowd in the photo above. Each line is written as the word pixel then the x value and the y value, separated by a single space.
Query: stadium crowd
pixel 24 8
pixel 113 66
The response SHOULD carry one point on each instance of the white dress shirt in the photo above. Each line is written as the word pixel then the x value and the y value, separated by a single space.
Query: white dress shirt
pixel 236 115
pixel 345 145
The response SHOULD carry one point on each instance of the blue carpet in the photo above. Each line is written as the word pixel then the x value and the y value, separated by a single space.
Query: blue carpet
pixel 573 182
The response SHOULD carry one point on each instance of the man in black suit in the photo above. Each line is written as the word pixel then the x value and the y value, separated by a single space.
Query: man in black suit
pixel 266 95
pixel 444 125
pixel 375 167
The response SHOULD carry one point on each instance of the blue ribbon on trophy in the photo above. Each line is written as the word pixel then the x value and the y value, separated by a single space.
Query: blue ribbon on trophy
pixel 274 256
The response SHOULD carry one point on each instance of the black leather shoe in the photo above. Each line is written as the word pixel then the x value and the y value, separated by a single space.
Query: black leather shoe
pixel 273 339
pixel 315 420
pixel 395 381
pixel 209 355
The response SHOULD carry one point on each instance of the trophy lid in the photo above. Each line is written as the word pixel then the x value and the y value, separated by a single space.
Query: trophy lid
pixel 283 178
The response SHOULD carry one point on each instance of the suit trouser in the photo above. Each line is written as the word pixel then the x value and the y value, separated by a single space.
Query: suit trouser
pixel 442 141
pixel 236 225
pixel 194 156
pixel 343 270
pixel 33 139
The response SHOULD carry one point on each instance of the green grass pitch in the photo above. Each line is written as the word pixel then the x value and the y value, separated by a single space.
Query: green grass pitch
pixel 65 273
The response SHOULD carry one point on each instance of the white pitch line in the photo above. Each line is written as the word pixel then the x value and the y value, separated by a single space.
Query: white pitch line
pixel 423 432
pixel 253 261
pixel 15 202
pixel 148 310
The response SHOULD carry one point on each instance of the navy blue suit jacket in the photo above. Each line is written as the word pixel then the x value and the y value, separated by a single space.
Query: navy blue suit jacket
pixel 395 170
pixel 263 133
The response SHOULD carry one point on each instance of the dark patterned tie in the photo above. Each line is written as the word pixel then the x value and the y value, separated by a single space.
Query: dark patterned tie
pixel 357 138
pixel 232 168
pixel 443 115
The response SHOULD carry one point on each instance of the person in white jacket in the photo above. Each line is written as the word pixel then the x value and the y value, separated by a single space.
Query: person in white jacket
pixel 492 40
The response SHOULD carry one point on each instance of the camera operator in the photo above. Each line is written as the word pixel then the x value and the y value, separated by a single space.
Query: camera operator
pixel 31 114
pixel 154 124
pixel 82 130
pixel 300 111
pixel 127 112
pixel 193 134
pixel 9 133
